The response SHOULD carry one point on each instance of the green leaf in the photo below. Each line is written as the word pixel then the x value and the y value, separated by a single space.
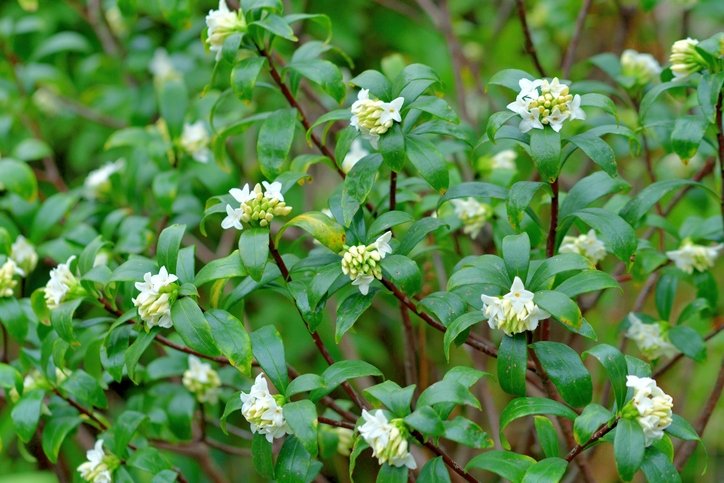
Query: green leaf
pixel 358 184
pixel 496 121
pixel 657 467
pixel 173 102
pixel 549 470
pixel 665 294
pixel 642 203
pixel 323 228
pixel 276 25
pixel 416 233
pixel 395 398
pixel 588 281
pixel 476 189
pixel 9 377
pixel 592 417
pixel 54 433
pixel 434 471
pixel 18 178
pixel 550 267
pixel 49 214
pixel 31 149
pixel 459 326
pixel 509 78
pixel 392 474
pixel 304 383
pixel 148 459
pixel 244 75
pixel 565 369
pixel 262 456
pixel 387 220
pixel 589 189
pixel 192 326
pixel 275 140
pixel 516 254
pixel 26 414
pixel 231 337
pixel 84 389
pixel 436 106
pixel 349 311
pixel 135 351
pixel 88 255
pixel 302 419
pixel 519 198
pixel 375 82
pixel 403 272
pixel 268 350
pixel 428 161
pixel 598 150
pixel 221 268
pixel 414 80
pixel 323 73
pixel 134 269
pixel 628 448
pixel 513 364
pixel 295 464
pixel 392 148
pixel 124 428
pixel 340 372
pixel 254 251
pixel 616 232
pixel 168 246
pixel 508 465
pixel 562 308
pixel 653 93
pixel 61 318
pixel 688 341
pixel 614 362
pixel 426 420
pixel 528 406
pixel 466 432
pixel 447 391
pixel 545 149
pixel 687 135
pixel 680 428
pixel 547 436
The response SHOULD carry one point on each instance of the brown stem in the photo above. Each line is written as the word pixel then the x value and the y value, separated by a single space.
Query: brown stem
pixel 89 414
pixel 335 423
pixel 529 45
pixel 700 425
pixel 409 335
pixel 452 464
pixel 393 190
pixel 663 369
pixel 552 231
pixel 570 52
pixel 604 429
pixel 720 143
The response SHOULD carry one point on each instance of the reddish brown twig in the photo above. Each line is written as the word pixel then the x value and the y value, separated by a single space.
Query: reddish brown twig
pixel 663 369
pixel 529 45
pixel 602 431
pixel 571 50
pixel 335 423
pixel 452 464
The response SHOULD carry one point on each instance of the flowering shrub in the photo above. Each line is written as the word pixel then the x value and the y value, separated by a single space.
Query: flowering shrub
pixel 229 252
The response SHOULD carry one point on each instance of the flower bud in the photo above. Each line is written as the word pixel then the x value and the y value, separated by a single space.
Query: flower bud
pixel 685 60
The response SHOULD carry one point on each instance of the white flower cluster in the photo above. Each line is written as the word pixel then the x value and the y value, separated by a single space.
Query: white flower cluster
pixel 473 214
pixel 541 103
pixel 263 412
pixel 504 159
pixel 685 60
pixel 99 467
pixel 587 245
pixel 195 141
pixel 652 405
pixel 157 293
pixel 221 24
pixel 202 380
pixel 362 262
pixel 690 257
pixel 162 67
pixel 388 439
pixel 24 255
pixel 373 117
pixel 355 153
pixel 514 312
pixel 643 68
pixel 62 286
pixel 98 182
pixel 649 339
pixel 255 207
pixel 8 271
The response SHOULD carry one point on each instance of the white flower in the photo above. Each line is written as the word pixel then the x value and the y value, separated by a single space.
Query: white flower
pixel 256 207
pixel 157 293
pixel 653 406
pixel 62 282
pixel 263 412
pixel 373 117
pixel 242 195
pixel 195 141
pixel 99 466
pixel 541 102
pixel 202 380
pixel 388 439
pixel 473 214
pixel 504 159
pixel 382 244
pixel 363 282
pixel 649 339
pixel 98 182
pixel 361 263
pixel 23 254
pixel 221 24
pixel 355 153
pixel 643 68
pixel 690 257
pixel 161 66
pixel 8 270
pixel 685 60
pixel 515 312
pixel 587 245
pixel 233 218
pixel 273 191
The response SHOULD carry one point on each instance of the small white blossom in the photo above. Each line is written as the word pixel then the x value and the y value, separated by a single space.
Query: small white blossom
pixel 515 312
pixel 61 284
pixel 233 218
pixel 690 257
pixel 99 467
pixel 195 141
pixel 98 182
pixel 256 207
pixel 388 439
pixel 504 159
pixel 653 406
pixel 24 255
pixel 649 339
pixel 162 67
pixel 373 117
pixel 273 191
pixel 263 412
pixel 221 24
pixel 361 263
pixel 355 153
pixel 587 245
pixel 8 271
pixel 541 102
pixel 157 293
pixel 473 214
pixel 643 68
pixel 382 244
pixel 685 60
pixel 202 380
